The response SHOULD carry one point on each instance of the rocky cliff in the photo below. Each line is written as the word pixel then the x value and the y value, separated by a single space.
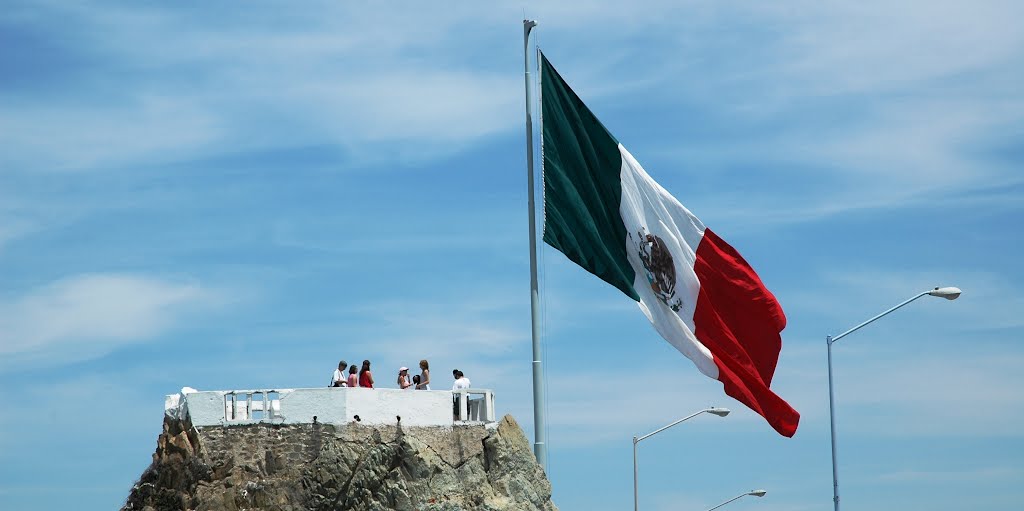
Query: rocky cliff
pixel 343 467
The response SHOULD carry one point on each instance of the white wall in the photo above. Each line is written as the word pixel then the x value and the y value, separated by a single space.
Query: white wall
pixel 329 405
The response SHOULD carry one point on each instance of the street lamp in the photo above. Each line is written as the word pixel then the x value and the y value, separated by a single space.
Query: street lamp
pixel 949 293
pixel 721 412
pixel 756 493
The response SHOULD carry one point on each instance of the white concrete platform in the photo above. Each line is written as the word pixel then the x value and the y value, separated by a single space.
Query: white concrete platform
pixel 331 406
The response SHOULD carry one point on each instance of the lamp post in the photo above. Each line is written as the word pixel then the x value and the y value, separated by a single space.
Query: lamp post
pixel 721 412
pixel 949 293
pixel 756 493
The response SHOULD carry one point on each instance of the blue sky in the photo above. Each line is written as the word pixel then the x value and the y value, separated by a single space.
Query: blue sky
pixel 238 196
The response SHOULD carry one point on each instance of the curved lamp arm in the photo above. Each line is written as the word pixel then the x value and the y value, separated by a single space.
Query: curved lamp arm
pixel 949 293
pixel 721 412
pixel 756 493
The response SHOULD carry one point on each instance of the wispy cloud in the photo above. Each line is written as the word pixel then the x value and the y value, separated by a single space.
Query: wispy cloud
pixel 143 128
pixel 973 476
pixel 929 395
pixel 261 85
pixel 831 93
pixel 990 300
pixel 589 409
pixel 16 228
pixel 882 391
pixel 928 368
pixel 87 316
pixel 855 47
pixel 860 106
pixel 472 327
pixel 909 381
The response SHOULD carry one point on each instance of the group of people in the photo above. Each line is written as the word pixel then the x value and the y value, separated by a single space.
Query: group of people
pixel 363 377
pixel 419 381
pixel 357 377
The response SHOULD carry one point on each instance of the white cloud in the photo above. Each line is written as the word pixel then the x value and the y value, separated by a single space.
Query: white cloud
pixel 971 476
pixel 926 396
pixel 931 369
pixel 13 229
pixel 973 394
pixel 141 129
pixel 87 316
pixel 401 84
pixel 585 409
pixel 989 300
pixel 865 105
pixel 473 328
pixel 927 369
pixel 263 85
pixel 855 47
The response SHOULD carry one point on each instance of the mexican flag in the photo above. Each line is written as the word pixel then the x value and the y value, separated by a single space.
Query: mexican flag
pixel 605 213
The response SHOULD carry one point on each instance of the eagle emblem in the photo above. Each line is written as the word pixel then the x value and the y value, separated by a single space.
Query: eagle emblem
pixel 660 268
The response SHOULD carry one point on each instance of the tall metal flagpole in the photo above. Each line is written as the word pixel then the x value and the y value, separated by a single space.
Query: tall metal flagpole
pixel 539 448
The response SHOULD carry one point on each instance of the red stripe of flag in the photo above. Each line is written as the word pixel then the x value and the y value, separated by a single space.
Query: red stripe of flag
pixel 739 321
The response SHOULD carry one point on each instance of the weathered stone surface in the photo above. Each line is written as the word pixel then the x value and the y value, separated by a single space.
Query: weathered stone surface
pixel 351 467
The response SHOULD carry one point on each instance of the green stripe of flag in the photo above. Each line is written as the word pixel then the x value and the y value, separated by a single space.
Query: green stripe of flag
pixel 582 187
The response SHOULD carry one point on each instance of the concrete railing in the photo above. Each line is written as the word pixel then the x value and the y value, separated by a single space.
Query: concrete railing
pixel 252 405
pixel 333 406
pixel 474 405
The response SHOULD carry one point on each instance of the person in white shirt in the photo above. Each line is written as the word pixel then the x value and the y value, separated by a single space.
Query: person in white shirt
pixel 339 379
pixel 461 382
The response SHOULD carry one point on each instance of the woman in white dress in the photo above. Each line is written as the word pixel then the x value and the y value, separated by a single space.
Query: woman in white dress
pixel 424 383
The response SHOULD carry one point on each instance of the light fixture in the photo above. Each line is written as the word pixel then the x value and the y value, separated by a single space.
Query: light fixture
pixel 949 293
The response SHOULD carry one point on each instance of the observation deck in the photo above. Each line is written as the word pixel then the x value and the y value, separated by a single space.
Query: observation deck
pixel 339 405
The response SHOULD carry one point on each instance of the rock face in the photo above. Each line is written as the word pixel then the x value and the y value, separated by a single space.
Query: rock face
pixel 348 467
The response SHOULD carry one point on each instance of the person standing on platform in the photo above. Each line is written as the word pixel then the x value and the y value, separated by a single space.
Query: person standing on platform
pixel 353 376
pixel 424 383
pixel 403 378
pixel 461 382
pixel 339 379
pixel 365 376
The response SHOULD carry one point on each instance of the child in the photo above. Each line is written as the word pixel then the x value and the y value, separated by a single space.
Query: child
pixel 416 381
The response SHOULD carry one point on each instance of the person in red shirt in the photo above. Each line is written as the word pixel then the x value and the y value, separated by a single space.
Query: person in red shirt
pixel 365 377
